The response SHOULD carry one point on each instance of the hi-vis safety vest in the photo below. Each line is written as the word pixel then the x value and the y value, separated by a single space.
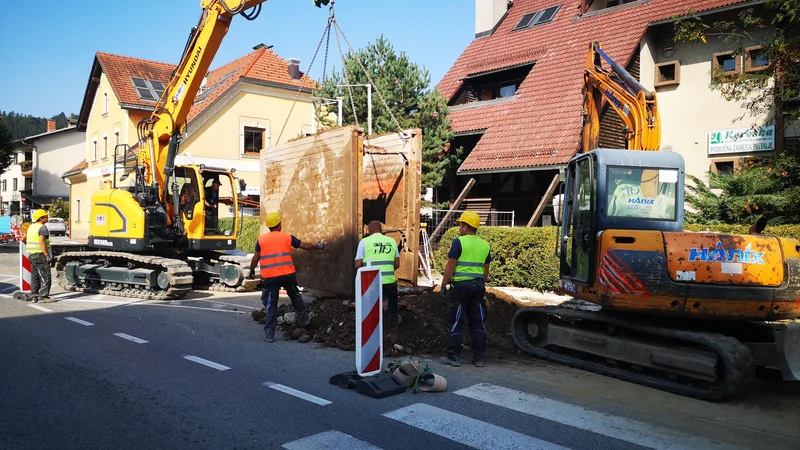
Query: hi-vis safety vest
pixel 32 238
pixel 471 263
pixel 381 251
pixel 276 254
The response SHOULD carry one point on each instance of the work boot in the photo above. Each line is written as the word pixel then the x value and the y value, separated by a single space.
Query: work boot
pixel 479 362
pixel 47 300
pixel 454 361
pixel 269 340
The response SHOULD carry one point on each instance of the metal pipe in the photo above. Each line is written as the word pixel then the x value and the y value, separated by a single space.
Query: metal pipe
pixel 625 75
pixel 369 108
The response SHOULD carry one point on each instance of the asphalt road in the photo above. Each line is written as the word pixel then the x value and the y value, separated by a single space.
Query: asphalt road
pixel 93 371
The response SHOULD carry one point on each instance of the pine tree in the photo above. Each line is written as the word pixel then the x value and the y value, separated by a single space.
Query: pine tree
pixel 404 86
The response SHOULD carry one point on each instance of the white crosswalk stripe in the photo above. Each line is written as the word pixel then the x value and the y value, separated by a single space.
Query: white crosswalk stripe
pixel 332 440
pixel 474 433
pixel 575 416
pixel 465 430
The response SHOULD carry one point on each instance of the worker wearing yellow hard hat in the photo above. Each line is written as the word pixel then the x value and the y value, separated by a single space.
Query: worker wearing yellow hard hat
pixel 273 253
pixel 37 240
pixel 467 269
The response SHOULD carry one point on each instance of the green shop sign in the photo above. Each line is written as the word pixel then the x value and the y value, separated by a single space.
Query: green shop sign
pixel 757 139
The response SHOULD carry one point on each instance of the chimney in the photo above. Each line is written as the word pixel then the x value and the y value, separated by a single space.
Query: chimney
pixel 294 68
pixel 72 122
pixel 51 125
pixel 488 14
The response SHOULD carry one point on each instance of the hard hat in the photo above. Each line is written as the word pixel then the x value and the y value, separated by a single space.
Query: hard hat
pixel 470 218
pixel 272 220
pixel 38 214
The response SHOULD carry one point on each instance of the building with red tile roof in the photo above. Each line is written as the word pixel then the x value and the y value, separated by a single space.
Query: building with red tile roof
pixel 242 107
pixel 515 92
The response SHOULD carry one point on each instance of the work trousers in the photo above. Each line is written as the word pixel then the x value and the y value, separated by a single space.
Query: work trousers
pixel 269 297
pixel 390 295
pixel 40 276
pixel 466 300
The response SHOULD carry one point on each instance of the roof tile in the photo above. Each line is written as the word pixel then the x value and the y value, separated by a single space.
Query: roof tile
pixel 542 125
pixel 262 65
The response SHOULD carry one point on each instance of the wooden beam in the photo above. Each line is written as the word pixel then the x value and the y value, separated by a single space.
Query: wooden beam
pixel 540 209
pixel 455 206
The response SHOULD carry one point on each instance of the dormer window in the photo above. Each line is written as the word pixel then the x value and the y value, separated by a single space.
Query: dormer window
pixel 492 85
pixel 537 18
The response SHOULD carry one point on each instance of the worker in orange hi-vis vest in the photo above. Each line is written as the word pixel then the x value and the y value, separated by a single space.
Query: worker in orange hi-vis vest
pixel 273 254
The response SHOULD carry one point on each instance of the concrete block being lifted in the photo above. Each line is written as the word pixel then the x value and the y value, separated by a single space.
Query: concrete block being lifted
pixel 327 187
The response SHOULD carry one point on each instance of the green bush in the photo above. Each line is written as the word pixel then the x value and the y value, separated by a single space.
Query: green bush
pixel 525 257
pixel 251 228
pixel 787 231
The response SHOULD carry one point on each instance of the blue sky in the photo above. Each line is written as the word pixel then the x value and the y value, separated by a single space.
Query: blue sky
pixel 48 45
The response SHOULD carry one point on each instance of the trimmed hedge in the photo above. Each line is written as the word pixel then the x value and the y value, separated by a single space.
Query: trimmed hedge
pixel 525 257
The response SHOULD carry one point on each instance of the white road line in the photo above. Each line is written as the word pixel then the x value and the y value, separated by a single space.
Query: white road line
pixel 333 440
pixel 190 307
pixel 81 300
pixel 9 276
pixel 40 308
pixel 617 427
pixel 296 393
pixel 465 430
pixel 130 338
pixel 206 362
pixel 5 296
pixel 82 322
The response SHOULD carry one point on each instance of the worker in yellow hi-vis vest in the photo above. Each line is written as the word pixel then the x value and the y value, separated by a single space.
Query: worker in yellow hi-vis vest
pixel 37 239
pixel 467 268
pixel 382 252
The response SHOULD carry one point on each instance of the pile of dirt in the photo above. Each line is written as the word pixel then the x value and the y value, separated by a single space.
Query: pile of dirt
pixel 423 329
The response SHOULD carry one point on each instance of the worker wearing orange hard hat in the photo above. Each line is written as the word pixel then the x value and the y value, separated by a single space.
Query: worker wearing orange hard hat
pixel 273 254
pixel 467 269
pixel 37 240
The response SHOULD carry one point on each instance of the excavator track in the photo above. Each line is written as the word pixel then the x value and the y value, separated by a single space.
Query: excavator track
pixel 239 284
pixel 607 344
pixel 174 277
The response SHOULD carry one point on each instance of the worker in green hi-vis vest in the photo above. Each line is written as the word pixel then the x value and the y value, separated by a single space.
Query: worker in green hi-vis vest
pixel 467 268
pixel 382 252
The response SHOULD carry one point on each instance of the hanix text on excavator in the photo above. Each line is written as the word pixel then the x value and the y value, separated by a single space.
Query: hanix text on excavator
pixel 145 239
pixel 691 313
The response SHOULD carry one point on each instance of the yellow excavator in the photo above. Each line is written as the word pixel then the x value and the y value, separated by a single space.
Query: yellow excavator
pixel 690 313
pixel 155 231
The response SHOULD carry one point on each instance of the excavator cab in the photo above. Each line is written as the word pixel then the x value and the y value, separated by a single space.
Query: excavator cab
pixel 608 189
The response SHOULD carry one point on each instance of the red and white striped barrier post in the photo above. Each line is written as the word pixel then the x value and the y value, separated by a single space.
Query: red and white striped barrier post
pixel 369 321
pixel 24 269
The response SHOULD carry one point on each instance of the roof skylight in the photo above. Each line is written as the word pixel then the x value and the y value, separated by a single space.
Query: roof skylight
pixel 537 18
pixel 148 89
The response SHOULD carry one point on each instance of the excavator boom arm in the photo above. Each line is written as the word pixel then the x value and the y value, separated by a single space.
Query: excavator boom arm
pixel 160 134
pixel 636 105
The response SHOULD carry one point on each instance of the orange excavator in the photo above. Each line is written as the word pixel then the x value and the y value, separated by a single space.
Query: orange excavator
pixel 691 313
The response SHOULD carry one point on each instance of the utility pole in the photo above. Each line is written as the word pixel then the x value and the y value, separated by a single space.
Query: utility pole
pixel 369 103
